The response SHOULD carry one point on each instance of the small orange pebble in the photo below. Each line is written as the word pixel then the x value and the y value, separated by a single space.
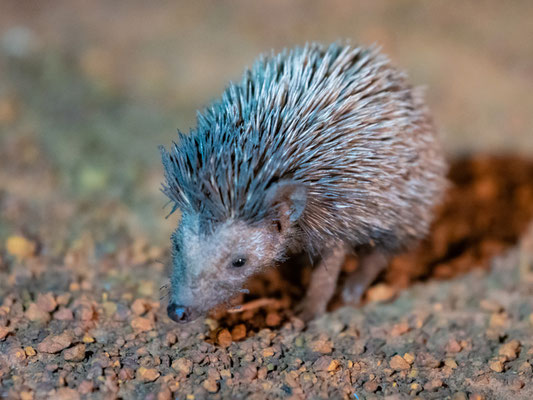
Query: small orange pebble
pixel 20 247
pixel 224 338
pixel 87 339
pixel 30 351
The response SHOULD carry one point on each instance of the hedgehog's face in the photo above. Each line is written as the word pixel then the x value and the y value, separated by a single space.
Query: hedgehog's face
pixel 210 269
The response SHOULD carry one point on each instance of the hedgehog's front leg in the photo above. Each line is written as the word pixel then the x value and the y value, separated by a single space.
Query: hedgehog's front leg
pixel 371 263
pixel 323 282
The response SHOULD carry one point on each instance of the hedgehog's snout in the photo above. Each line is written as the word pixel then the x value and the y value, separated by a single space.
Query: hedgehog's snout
pixel 180 313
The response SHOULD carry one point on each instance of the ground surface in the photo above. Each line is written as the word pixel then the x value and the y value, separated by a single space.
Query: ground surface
pixel 80 314
pixel 87 92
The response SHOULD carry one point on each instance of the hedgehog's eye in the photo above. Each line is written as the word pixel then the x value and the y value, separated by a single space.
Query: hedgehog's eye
pixel 238 262
pixel 176 247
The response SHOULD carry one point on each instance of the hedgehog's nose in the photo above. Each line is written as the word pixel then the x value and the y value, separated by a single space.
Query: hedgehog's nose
pixel 179 313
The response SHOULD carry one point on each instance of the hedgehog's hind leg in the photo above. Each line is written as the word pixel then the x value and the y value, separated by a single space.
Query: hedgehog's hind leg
pixel 323 283
pixel 371 263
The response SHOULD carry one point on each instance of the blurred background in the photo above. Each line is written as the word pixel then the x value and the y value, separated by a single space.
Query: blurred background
pixel 89 89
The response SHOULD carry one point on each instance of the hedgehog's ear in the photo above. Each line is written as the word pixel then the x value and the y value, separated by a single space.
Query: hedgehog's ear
pixel 287 199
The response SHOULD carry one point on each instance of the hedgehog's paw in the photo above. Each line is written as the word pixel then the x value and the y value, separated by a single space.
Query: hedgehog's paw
pixel 309 309
pixel 371 264
pixel 323 282
pixel 353 293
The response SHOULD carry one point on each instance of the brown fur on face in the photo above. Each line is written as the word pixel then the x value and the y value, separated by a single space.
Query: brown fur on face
pixel 207 268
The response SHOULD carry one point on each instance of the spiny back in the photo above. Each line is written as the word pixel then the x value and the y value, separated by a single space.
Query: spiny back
pixel 339 119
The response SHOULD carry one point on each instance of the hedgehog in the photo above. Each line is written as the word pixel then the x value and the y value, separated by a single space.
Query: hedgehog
pixel 319 150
